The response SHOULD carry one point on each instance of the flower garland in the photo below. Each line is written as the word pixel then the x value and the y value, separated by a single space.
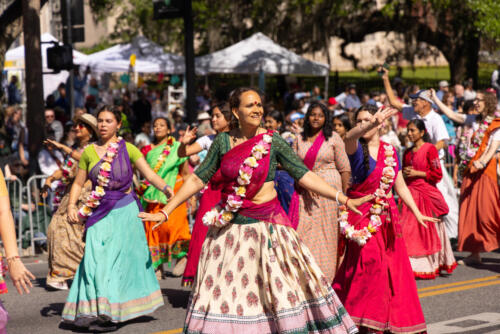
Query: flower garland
pixel 467 152
pixel 93 200
pixel 220 217
pixel 161 159
pixel 362 236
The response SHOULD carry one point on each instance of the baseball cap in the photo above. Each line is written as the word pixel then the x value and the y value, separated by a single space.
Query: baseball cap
pixel 443 83
pixel 203 116
pixel 295 116
pixel 423 94
pixel 332 101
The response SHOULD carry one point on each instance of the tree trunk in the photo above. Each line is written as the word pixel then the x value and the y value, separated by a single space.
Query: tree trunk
pixel 34 83
pixel 463 60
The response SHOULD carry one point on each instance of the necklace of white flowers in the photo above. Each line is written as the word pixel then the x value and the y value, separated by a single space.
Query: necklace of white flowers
pixel 222 215
pixel 362 236
pixel 94 198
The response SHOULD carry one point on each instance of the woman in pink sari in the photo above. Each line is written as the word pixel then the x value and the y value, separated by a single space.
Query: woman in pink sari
pixel 375 281
pixel 254 274
pixel 323 152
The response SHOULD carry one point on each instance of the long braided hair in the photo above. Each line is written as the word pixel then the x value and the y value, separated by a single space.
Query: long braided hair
pixel 372 109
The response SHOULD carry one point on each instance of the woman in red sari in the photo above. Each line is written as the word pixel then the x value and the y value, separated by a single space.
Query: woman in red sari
pixel 429 248
pixel 254 274
pixel 375 281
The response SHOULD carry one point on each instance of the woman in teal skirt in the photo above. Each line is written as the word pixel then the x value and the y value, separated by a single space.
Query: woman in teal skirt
pixel 115 281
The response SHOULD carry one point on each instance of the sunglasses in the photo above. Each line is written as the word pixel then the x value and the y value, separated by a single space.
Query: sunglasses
pixel 79 126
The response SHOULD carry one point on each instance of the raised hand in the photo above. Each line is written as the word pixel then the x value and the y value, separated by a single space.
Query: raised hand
pixel 433 94
pixel 189 135
pixel 385 72
pixel 382 114
pixel 53 143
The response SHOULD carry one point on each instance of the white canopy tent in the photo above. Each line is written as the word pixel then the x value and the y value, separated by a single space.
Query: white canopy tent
pixel 256 54
pixel 150 58
pixel 14 60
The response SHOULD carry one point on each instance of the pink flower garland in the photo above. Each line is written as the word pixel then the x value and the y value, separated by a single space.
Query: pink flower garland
pixel 362 236
pixel 220 217
pixel 467 152
pixel 93 200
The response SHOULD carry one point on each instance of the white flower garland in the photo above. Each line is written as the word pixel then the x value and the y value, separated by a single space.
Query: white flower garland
pixel 220 217
pixel 94 198
pixel 362 236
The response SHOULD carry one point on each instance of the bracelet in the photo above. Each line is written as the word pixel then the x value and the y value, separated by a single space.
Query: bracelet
pixel 347 201
pixel 164 188
pixel 12 258
pixel 337 197
pixel 165 214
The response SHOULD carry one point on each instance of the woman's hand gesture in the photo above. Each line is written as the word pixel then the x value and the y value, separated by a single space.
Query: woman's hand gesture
pixel 353 203
pixel 20 276
pixel 382 114
pixel 422 219
pixel 189 135
pixel 158 217
pixel 384 71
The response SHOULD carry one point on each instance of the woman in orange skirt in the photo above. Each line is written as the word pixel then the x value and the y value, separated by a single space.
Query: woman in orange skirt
pixel 171 240
pixel 479 223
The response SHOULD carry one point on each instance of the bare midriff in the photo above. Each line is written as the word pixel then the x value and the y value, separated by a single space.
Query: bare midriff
pixel 265 194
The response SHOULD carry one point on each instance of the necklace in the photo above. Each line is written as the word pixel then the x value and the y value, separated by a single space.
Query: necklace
pixel 103 179
pixel 221 214
pixel 361 236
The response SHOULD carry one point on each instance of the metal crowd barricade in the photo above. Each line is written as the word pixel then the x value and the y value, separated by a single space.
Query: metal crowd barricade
pixel 30 187
pixel 15 191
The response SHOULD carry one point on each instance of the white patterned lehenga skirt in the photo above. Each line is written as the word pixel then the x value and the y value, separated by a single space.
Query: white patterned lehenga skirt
pixel 447 188
pixel 260 278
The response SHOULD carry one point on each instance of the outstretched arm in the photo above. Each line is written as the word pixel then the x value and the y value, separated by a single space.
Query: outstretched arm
pixel 155 179
pixel 191 186
pixel 454 116
pixel 393 100
pixel 20 275
pixel 316 184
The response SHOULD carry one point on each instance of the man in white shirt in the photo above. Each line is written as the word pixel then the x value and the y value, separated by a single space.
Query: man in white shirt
pixel 421 108
pixel 50 120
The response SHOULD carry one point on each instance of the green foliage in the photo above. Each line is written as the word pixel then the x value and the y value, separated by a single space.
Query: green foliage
pixel 487 17
pixel 102 45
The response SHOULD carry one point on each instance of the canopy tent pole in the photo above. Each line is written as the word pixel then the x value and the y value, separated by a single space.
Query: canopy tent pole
pixel 327 79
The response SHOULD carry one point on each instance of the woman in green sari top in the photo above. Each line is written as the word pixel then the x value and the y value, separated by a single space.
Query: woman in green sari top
pixel 172 239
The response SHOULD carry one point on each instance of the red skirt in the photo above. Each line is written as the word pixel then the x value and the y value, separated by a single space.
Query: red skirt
pixel 376 285
pixel 421 241
pixel 208 200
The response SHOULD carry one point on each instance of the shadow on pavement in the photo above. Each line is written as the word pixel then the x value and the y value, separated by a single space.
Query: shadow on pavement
pixel 54 309
pixel 177 298
pixel 75 329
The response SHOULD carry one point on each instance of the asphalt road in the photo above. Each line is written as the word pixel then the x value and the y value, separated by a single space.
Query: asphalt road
pixel 466 302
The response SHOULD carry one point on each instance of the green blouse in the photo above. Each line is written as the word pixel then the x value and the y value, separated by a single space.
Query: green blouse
pixel 168 171
pixel 90 157
pixel 281 153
